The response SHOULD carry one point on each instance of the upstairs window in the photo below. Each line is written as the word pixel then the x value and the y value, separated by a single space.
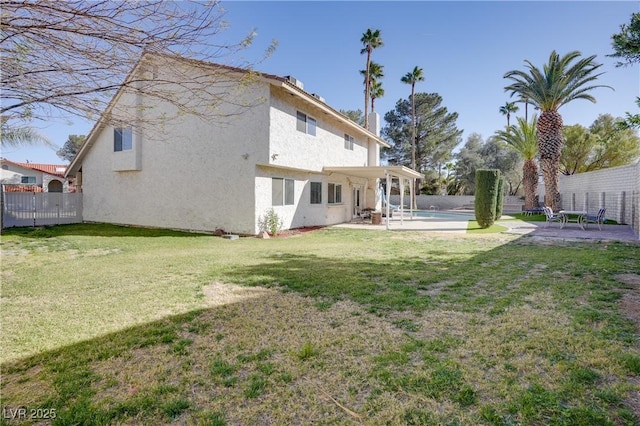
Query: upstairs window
pixel 122 139
pixel 348 142
pixel 306 124
pixel 282 191
pixel 335 193
pixel 316 192
pixel 28 179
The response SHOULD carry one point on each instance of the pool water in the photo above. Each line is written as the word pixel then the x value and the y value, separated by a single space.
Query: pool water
pixel 444 215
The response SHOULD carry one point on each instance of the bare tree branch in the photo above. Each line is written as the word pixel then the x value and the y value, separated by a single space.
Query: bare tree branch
pixel 74 56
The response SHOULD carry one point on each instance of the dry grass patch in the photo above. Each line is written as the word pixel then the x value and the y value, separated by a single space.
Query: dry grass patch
pixel 331 327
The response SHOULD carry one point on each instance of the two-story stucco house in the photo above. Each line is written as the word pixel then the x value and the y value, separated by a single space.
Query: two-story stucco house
pixel 33 177
pixel 287 150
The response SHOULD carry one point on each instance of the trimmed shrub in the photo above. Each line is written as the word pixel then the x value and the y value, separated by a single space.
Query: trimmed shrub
pixel 500 198
pixel 486 196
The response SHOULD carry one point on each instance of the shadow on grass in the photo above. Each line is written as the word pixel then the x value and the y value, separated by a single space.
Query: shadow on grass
pixel 172 370
pixel 95 230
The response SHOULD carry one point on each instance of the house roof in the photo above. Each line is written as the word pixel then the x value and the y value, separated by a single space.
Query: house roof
pixel 51 169
pixel 283 82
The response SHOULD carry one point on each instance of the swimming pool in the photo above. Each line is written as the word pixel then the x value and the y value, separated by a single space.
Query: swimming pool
pixel 429 214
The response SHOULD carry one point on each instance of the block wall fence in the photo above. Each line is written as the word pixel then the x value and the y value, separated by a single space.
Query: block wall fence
pixel 617 189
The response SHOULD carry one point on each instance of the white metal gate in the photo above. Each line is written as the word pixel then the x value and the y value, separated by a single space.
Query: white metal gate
pixel 40 208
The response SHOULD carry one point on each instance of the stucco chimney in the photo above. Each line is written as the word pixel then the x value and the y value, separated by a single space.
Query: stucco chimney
pixel 374 123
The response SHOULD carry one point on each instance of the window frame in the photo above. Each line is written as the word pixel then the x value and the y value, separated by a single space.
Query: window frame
pixel 315 194
pixel 284 190
pixel 28 180
pixel 348 142
pixel 306 124
pixel 122 139
pixel 334 193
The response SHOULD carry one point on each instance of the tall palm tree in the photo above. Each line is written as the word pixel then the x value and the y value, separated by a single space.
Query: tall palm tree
pixel 377 91
pixel 412 78
pixel 523 138
pixel 371 40
pixel 560 81
pixel 507 109
pixel 376 72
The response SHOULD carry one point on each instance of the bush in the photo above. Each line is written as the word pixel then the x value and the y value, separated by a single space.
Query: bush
pixel 270 222
pixel 486 196
pixel 500 198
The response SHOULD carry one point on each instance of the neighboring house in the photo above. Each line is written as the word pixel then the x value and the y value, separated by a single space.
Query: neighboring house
pixel 288 150
pixel 34 177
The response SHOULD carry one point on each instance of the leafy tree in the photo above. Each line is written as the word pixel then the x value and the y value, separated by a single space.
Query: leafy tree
pixel 626 43
pixel 523 140
pixel 435 130
pixel 507 109
pixel 73 56
pixel 355 115
pixel 560 81
pixel 600 146
pixel 497 155
pixel 492 154
pixel 371 40
pixel 71 147
pixel 468 160
pixel 632 121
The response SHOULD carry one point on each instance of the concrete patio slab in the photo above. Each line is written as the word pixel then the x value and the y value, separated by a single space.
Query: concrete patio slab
pixel 570 231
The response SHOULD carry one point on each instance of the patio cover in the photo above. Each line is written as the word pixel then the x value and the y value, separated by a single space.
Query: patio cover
pixel 383 172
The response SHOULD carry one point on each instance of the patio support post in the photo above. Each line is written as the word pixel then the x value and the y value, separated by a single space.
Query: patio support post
pixel 401 179
pixel 411 188
pixel 388 189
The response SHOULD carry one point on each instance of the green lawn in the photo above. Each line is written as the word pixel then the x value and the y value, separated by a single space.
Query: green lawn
pixel 113 325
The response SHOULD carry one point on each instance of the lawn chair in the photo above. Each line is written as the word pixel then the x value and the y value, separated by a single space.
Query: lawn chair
pixel 535 210
pixel 551 216
pixel 595 218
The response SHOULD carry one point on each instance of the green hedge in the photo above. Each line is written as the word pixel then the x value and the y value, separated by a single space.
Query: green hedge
pixel 486 196
pixel 500 198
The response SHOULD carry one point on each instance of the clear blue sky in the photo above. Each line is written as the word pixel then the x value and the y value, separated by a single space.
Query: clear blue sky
pixel 464 49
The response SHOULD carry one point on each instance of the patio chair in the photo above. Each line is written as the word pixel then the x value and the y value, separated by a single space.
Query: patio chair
pixel 595 218
pixel 535 210
pixel 551 216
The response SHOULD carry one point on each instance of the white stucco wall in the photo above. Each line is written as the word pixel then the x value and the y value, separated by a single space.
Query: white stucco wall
pixel 12 175
pixel 302 213
pixel 300 150
pixel 194 174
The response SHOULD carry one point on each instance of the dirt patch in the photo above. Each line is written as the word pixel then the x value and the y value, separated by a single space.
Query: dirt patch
pixel 218 293
pixel 288 233
pixel 630 303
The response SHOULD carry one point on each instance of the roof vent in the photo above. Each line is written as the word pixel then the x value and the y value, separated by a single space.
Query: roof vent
pixel 318 97
pixel 291 79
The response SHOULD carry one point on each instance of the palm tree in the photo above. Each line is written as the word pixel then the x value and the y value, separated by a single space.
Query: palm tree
pixel 371 40
pixel 412 78
pixel 507 109
pixel 376 72
pixel 377 91
pixel 523 139
pixel 11 136
pixel 560 81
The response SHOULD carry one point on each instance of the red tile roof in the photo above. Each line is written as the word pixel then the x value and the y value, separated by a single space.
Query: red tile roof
pixel 52 169
pixel 21 188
